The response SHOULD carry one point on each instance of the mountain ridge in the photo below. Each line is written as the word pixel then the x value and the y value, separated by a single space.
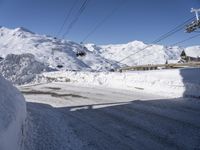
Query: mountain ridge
pixel 58 52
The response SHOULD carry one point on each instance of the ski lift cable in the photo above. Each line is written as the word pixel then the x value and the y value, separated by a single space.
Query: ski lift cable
pixel 73 22
pixel 170 33
pixel 175 44
pixel 80 11
pixel 147 46
pixel 176 28
pixel 114 10
pixel 67 17
pixel 180 42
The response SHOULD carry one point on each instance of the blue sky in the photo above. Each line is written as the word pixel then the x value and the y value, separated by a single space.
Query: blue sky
pixel 143 20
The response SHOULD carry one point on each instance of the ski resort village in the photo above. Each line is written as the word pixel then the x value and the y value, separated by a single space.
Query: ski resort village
pixel 99 75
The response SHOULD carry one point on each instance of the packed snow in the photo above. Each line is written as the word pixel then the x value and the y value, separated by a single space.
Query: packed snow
pixel 179 82
pixel 12 117
pixel 66 116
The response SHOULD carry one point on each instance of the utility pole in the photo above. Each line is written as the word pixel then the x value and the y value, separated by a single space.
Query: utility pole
pixel 195 24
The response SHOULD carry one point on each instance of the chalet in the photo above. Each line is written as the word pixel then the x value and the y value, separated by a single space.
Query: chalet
pixel 191 54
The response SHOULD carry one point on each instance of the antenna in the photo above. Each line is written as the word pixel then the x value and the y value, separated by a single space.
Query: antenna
pixel 196 11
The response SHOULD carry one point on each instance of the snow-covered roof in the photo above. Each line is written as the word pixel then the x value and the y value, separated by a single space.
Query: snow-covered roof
pixel 193 51
pixel 172 61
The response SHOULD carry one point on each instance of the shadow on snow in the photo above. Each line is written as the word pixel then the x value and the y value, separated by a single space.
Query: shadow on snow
pixel 152 124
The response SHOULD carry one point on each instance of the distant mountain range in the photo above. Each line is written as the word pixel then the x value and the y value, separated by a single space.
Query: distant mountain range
pixel 62 54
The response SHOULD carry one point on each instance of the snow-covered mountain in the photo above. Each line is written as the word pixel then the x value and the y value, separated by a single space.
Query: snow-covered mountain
pixel 62 54
pixel 49 50
pixel 154 54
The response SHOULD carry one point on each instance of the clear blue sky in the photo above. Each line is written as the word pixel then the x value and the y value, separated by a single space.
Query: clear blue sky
pixel 136 20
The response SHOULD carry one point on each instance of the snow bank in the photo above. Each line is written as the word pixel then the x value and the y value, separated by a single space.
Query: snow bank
pixel 12 117
pixel 180 82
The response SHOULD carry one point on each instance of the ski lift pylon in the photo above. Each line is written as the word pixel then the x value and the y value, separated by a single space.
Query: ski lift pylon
pixel 195 24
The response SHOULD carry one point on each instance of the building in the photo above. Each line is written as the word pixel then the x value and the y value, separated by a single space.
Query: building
pixel 191 54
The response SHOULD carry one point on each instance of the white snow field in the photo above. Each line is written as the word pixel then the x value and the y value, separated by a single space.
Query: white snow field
pixel 176 83
pixel 65 116
pixel 12 117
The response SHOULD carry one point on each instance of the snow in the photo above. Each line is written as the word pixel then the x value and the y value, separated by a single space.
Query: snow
pixel 76 117
pixel 84 83
pixel 178 83
pixel 193 51
pixel 154 54
pixel 54 52
pixel 86 107
pixel 172 61
pixel 12 117
pixel 34 54
pixel 49 50
pixel 85 98
pixel 21 69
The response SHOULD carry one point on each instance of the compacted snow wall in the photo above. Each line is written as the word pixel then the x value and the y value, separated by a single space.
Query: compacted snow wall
pixel 12 117
pixel 177 82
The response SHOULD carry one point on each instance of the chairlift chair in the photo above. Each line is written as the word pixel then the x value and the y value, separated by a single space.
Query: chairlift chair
pixel 59 66
pixel 81 52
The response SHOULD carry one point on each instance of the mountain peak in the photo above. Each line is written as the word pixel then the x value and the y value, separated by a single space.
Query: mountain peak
pixel 22 29
pixel 18 30
pixel 136 42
